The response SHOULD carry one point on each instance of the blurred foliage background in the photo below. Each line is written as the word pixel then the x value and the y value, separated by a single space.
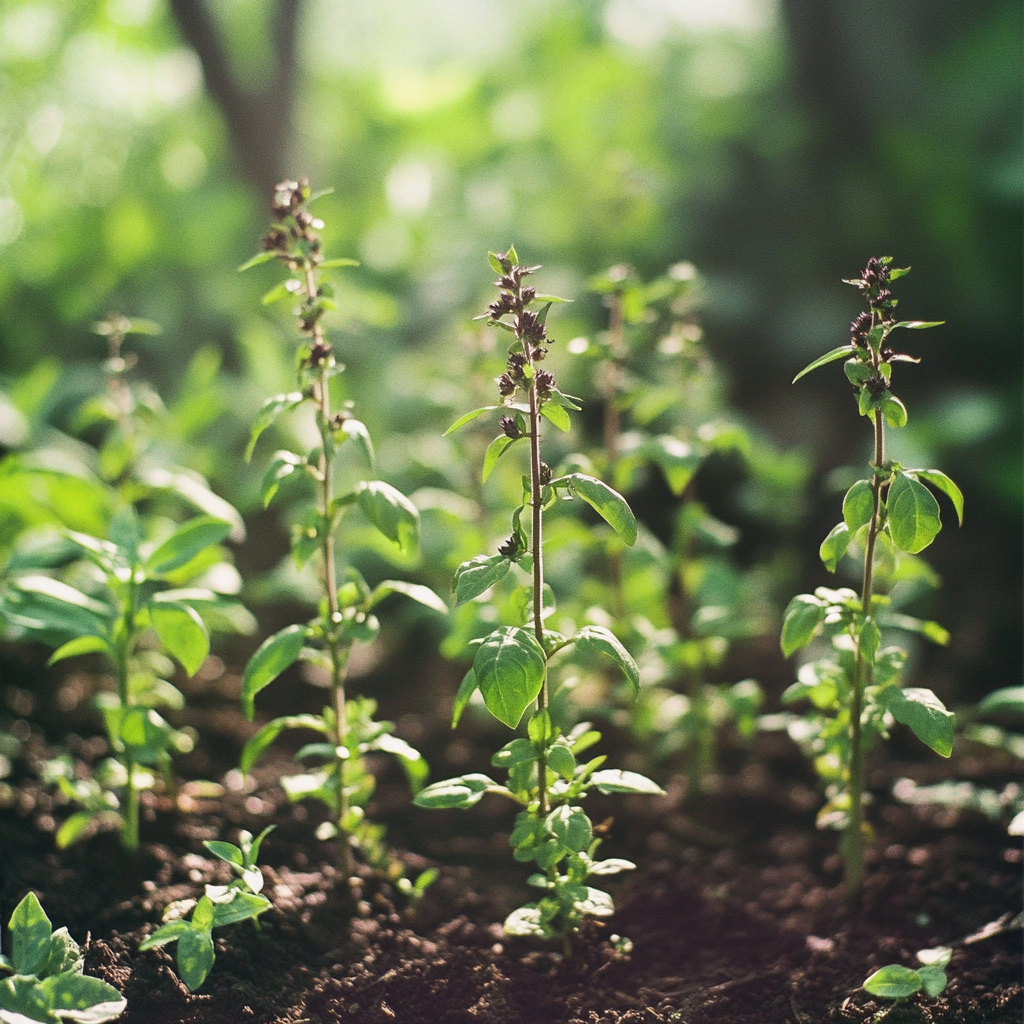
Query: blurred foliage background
pixel 776 144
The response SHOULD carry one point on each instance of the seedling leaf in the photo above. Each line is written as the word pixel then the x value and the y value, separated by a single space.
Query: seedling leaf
pixel 272 657
pixel 924 713
pixel 464 791
pixel 182 632
pixel 601 641
pixel 894 982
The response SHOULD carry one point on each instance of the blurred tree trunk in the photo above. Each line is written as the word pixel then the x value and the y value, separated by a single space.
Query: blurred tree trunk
pixel 258 122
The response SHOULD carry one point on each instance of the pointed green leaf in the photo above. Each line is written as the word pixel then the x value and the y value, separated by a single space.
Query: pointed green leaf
pixel 43 604
pixel 555 397
pixel 83 999
pixel 225 851
pixel 614 780
pixel 255 746
pixel 255 261
pixel 182 632
pixel 281 466
pixel 272 657
pixel 843 352
pixel 64 954
pixel 411 760
pixel 556 415
pixel 492 258
pixel 926 715
pixel 601 641
pixel 930 630
pixel 472 578
pixel 80 645
pixel 281 291
pixel 464 791
pixel 30 935
pixel 415 591
pixel 894 411
pixel 394 515
pixel 269 411
pixel 356 431
pixel 858 505
pixel 244 906
pixel 939 479
pixel 913 514
pixel 463 420
pixel 934 979
pixel 834 546
pixel 195 957
pixel 495 450
pixel 677 460
pixel 186 542
pixel 894 982
pixel 510 668
pixel 610 505
pixel 800 621
pixel 571 827
pixel 467 688
pixel 918 325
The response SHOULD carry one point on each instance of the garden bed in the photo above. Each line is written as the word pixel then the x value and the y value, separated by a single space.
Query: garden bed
pixel 735 913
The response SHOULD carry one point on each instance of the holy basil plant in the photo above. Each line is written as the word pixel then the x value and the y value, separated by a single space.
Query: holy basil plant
pixel 45 980
pixel 857 691
pixel 346 729
pixel 512 666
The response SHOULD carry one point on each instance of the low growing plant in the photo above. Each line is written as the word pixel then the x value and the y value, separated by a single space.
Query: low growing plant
pixel 46 980
pixel 342 780
pixel 512 665
pixel 219 905
pixel 899 983
pixel 857 692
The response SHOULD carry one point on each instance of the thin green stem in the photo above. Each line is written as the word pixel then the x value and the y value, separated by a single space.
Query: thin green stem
pixel 130 819
pixel 337 654
pixel 611 386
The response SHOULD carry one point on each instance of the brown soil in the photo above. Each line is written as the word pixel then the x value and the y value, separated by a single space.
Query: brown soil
pixel 736 912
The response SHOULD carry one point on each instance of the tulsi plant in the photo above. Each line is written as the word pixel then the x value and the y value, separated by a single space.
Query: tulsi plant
pixel 46 980
pixel 340 778
pixel 857 692
pixel 512 665
pixel 239 900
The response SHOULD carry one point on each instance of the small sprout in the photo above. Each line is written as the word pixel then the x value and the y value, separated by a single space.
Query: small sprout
pixel 899 983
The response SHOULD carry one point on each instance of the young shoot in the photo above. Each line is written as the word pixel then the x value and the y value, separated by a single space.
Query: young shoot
pixel 899 983
pixel 45 979
pixel 857 692
pixel 347 730
pixel 511 666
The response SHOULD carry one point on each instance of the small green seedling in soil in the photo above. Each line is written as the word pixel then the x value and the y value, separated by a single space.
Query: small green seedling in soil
pixel 511 664
pixel 857 693
pixel 132 588
pixel 341 779
pixel 899 983
pixel 46 982
pixel 219 905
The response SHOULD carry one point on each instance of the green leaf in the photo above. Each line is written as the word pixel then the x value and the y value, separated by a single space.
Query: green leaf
pixel 800 621
pixel 467 688
pixel 42 604
pixel 472 578
pixel 30 936
pixel 924 713
pixel 834 546
pixel 83 999
pixel 913 514
pixel 934 979
pixel 272 657
pixel 281 466
pixel 858 505
pixel 939 479
pixel 930 630
pixel 337 261
pixel 614 780
pixel 870 640
pixel 281 291
pixel 463 420
pixel 557 415
pixel 843 352
pixel 1009 699
pixel 269 411
pixel 918 325
pixel 415 591
pixel 571 827
pixel 677 460
pixel 894 411
pixel 495 450
pixel 601 641
pixel 464 791
pixel 80 645
pixel 22 1001
pixel 356 431
pixel 182 632
pixel 186 542
pixel 555 397
pixel 165 934
pixel 394 515
pixel 894 982
pixel 255 745
pixel 78 825
pixel 64 954
pixel 195 957
pixel 510 668
pixel 255 261
pixel 245 905
pixel 549 299
pixel 610 505
pixel 492 258
pixel 225 851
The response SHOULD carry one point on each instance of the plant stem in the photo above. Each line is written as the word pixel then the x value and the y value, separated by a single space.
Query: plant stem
pixel 338 656
pixel 538 572
pixel 130 820
pixel 611 386
pixel 854 852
